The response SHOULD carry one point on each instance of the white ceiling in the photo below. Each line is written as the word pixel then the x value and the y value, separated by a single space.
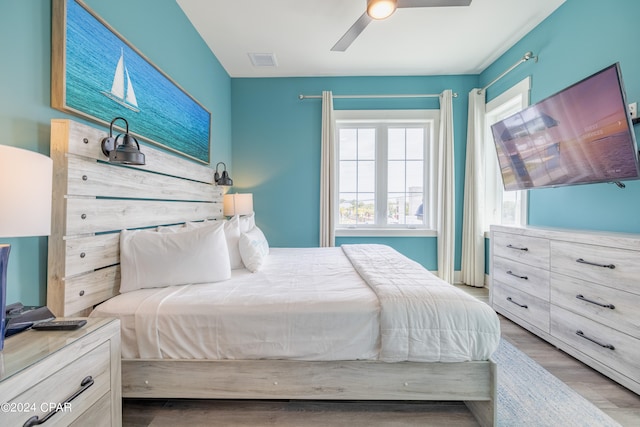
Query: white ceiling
pixel 413 41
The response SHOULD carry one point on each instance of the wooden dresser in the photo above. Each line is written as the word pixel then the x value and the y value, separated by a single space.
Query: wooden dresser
pixel 578 290
pixel 40 371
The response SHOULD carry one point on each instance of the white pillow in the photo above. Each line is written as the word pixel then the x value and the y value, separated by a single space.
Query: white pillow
pixel 247 222
pixel 151 260
pixel 232 234
pixel 254 249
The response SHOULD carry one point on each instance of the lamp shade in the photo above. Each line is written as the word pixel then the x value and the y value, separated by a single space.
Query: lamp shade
pixel 238 204
pixel 25 193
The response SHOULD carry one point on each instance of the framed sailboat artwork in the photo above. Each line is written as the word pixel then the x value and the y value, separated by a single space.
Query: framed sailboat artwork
pixel 99 75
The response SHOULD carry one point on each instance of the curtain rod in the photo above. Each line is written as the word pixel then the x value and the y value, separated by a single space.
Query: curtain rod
pixel 424 95
pixel 527 56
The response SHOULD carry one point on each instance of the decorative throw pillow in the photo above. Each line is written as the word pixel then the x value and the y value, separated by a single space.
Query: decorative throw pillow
pixel 150 260
pixel 254 249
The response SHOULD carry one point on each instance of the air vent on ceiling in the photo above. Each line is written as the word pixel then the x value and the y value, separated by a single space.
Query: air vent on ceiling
pixel 263 59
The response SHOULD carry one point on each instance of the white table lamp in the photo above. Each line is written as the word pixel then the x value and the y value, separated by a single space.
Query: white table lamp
pixel 25 205
pixel 238 204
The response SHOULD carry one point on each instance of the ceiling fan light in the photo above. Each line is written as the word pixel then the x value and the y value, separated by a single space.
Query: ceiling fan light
pixel 381 9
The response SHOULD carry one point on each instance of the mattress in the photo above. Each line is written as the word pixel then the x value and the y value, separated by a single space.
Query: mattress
pixel 356 302
pixel 303 304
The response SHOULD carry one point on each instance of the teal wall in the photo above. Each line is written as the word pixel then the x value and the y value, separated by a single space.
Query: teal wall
pixel 580 38
pixel 276 149
pixel 164 35
pixel 276 138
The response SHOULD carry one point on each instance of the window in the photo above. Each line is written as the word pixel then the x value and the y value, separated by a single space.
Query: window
pixel 503 207
pixel 384 172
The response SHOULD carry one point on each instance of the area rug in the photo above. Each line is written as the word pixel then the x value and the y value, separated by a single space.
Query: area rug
pixel 528 395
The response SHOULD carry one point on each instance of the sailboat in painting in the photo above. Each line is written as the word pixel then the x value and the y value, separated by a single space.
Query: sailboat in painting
pixel 122 89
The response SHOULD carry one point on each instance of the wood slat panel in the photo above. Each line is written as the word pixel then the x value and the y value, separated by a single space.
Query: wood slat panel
pixel 86 177
pixel 86 141
pixel 85 254
pixel 103 215
pixel 90 289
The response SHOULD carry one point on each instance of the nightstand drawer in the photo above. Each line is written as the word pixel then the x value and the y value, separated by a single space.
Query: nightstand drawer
pixel 88 375
pixel 528 250
pixel 532 280
pixel 523 305
pixel 99 415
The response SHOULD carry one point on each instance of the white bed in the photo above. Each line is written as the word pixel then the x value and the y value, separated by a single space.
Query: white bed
pixel 437 337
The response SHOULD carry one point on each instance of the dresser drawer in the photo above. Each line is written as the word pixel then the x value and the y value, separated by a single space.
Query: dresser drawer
pixel 532 310
pixel 610 347
pixel 612 307
pixel 53 391
pixel 617 268
pixel 528 250
pixel 529 279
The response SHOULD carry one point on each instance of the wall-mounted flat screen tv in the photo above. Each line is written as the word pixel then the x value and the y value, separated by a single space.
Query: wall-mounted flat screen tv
pixel 582 134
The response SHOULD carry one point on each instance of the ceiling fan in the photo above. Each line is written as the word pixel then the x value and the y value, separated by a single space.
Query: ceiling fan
pixel 382 9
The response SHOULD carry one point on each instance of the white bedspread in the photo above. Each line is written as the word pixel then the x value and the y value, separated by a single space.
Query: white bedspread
pixel 423 319
pixel 304 304
pixel 310 304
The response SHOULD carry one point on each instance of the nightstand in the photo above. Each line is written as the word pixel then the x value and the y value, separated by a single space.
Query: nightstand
pixel 41 371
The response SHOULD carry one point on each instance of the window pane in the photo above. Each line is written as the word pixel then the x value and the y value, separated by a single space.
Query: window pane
pixel 396 208
pixel 366 208
pixel 396 143
pixel 348 176
pixel 415 176
pixel 415 144
pixel 416 212
pixel 366 176
pixel 348 144
pixel 396 176
pixel 347 208
pixel 366 144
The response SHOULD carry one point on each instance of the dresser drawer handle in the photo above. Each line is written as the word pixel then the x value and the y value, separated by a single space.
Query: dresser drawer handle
pixel 581 297
pixel 582 335
pixel 582 261
pixel 517 248
pixel 511 273
pixel 519 305
pixel 36 421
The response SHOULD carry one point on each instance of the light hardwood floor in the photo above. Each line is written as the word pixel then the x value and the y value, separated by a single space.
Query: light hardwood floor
pixel 618 402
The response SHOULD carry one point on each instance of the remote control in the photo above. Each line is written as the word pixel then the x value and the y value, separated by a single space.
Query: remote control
pixel 59 325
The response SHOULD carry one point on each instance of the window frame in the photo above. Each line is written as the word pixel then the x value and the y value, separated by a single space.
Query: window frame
pixel 510 101
pixel 385 119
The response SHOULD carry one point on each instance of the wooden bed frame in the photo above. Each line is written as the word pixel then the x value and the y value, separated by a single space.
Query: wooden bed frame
pixel 94 200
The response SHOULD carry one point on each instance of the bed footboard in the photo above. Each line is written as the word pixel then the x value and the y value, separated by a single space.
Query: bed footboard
pixel 471 382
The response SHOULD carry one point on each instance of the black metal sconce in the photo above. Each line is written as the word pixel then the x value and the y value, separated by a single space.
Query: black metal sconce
pixel 128 152
pixel 224 178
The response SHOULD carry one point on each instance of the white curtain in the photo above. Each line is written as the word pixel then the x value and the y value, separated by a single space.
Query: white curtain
pixel 472 269
pixel 446 190
pixel 327 173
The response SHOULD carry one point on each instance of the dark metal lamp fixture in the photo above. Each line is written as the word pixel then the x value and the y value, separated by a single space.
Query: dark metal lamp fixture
pixel 224 178
pixel 128 152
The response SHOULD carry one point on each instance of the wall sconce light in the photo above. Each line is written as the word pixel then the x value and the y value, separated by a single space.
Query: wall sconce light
pixel 224 179
pixel 127 153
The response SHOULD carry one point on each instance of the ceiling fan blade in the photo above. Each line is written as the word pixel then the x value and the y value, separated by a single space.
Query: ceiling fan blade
pixel 432 3
pixel 352 33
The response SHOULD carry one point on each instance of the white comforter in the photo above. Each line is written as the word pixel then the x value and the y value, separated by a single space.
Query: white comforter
pixel 422 318
pixel 310 304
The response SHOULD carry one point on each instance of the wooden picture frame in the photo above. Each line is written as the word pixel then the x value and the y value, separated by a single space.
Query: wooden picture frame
pixel 98 75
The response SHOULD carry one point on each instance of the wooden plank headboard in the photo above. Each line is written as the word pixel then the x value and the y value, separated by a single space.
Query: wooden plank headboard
pixel 93 200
